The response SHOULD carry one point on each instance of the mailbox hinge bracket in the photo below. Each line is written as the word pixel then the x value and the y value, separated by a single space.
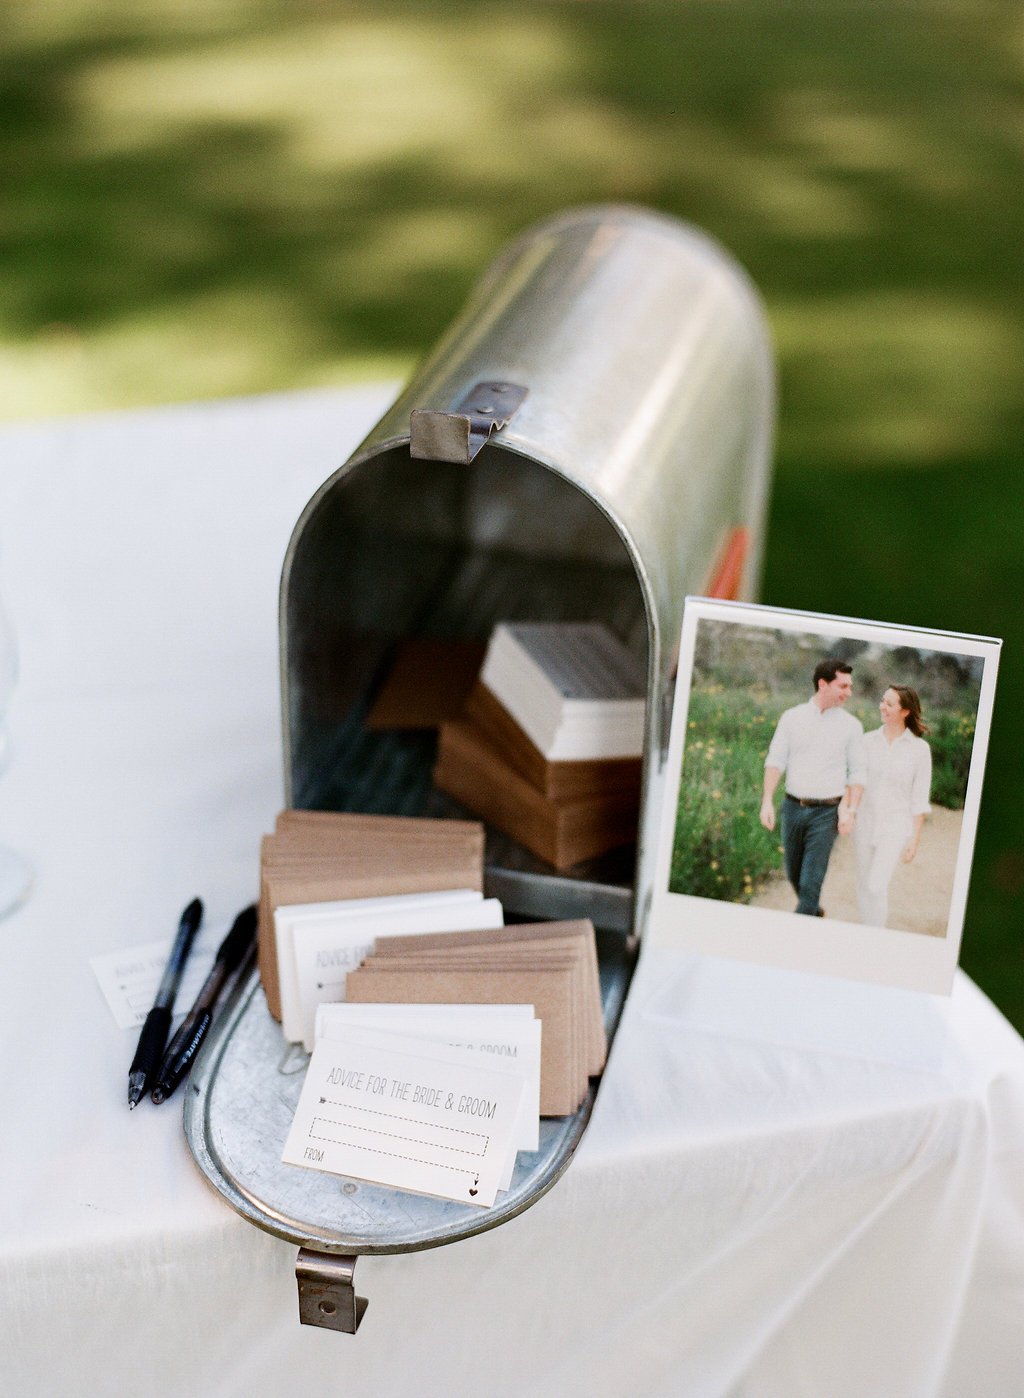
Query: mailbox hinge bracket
pixel 458 435
pixel 327 1292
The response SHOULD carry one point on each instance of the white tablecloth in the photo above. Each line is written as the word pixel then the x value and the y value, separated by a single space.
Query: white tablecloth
pixel 779 1194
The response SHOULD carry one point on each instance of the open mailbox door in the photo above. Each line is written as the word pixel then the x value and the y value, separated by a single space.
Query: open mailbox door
pixel 590 441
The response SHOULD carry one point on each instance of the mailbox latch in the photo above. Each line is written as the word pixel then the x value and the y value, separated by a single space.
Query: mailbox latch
pixel 327 1291
pixel 458 435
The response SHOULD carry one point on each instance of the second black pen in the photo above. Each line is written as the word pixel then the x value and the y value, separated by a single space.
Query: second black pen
pixel 188 1040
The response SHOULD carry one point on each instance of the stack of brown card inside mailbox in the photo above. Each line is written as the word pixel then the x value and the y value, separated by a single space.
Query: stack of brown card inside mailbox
pixel 548 746
pixel 551 965
pixel 315 856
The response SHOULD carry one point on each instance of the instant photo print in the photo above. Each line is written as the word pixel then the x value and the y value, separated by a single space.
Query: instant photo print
pixel 822 790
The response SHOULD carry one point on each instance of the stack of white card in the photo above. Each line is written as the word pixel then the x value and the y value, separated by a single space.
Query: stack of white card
pixel 572 687
pixel 318 944
pixel 435 1099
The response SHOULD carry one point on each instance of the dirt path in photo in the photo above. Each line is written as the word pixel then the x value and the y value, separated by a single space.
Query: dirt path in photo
pixel 918 895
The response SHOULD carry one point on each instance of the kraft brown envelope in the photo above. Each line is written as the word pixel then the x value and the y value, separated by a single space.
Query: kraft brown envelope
pixel 314 841
pixel 367 880
pixel 428 683
pixel 315 833
pixel 422 874
pixel 562 833
pixel 354 820
pixel 358 859
pixel 318 834
pixel 522 965
pixel 319 856
pixel 548 990
pixel 581 930
pixel 359 850
pixel 558 781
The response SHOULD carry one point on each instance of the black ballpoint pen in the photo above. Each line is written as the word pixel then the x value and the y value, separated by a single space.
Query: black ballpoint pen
pixel 186 1043
pixel 153 1038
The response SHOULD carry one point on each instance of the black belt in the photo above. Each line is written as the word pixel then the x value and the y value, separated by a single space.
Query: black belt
pixel 828 801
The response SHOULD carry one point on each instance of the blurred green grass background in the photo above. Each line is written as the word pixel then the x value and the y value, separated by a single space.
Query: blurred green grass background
pixel 207 199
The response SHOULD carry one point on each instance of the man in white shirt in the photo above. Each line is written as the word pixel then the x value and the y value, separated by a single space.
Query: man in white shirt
pixel 820 747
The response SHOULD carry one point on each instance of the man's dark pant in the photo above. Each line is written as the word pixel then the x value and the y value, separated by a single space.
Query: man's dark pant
pixel 808 834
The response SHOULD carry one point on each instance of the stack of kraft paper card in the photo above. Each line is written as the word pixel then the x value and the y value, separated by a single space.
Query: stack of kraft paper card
pixel 551 966
pixel 548 747
pixel 318 856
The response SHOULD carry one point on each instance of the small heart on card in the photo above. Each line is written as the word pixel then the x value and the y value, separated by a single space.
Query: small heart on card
pixel 472 1191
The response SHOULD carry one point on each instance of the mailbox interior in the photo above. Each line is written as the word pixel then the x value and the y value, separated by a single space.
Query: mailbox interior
pixel 394 549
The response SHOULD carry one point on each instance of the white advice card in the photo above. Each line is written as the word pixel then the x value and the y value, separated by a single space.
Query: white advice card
pixel 287 915
pixel 511 1039
pixel 361 1011
pixel 396 1111
pixel 317 951
pixel 325 953
pixel 129 978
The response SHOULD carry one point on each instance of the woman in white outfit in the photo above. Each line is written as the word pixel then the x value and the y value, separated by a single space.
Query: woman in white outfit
pixel 889 821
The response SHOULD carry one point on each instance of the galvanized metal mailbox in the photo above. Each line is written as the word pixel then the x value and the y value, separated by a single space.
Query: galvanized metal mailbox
pixel 589 441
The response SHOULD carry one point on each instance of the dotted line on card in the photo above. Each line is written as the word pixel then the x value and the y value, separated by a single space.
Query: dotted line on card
pixel 395 1155
pixel 392 1116
pixel 413 1140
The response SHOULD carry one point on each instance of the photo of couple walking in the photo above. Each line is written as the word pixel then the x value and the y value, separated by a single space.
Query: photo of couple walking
pixel 840 782
pixel 825 775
